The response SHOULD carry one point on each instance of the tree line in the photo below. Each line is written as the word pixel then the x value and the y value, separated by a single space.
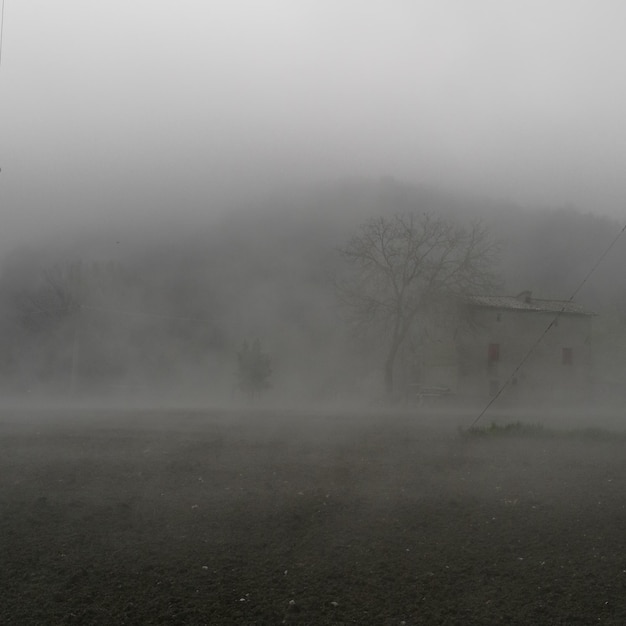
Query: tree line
pixel 172 313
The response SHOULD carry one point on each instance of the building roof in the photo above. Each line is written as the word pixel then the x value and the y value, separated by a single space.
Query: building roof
pixel 525 302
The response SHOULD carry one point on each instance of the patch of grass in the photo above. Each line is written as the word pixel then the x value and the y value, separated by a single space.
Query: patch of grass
pixel 520 429
pixel 513 429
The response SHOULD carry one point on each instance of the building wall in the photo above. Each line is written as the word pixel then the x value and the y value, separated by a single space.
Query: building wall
pixel 559 367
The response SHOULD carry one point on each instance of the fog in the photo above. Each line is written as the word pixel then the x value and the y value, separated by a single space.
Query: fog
pixel 148 315
pixel 151 108
pixel 201 163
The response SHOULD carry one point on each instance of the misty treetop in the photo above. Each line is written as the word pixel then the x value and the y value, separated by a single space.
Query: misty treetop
pixel 399 266
pixel 102 327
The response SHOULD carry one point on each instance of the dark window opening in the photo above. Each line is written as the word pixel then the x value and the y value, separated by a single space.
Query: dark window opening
pixel 493 353
pixel 567 356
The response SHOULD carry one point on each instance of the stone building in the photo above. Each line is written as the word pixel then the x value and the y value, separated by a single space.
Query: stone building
pixel 541 348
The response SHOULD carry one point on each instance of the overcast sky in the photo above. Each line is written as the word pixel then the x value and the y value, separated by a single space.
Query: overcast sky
pixel 140 105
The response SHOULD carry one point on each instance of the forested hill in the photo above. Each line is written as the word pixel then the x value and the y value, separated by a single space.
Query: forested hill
pixel 166 304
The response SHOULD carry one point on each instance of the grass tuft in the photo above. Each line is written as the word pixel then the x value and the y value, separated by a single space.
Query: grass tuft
pixel 513 429
pixel 520 429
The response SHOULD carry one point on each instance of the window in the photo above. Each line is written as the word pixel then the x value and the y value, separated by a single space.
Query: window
pixel 493 353
pixel 567 357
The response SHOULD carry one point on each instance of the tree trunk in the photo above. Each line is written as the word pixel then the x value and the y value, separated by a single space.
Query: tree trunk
pixel 389 363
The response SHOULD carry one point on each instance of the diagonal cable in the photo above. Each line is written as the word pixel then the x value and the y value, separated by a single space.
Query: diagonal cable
pixel 548 327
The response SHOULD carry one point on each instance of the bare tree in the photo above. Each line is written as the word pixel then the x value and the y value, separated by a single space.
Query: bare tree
pixel 401 266
pixel 62 320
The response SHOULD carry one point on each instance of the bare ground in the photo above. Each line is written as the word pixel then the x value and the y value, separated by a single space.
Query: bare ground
pixel 226 517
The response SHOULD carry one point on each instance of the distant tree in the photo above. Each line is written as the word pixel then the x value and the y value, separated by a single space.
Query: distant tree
pixel 62 320
pixel 253 369
pixel 399 267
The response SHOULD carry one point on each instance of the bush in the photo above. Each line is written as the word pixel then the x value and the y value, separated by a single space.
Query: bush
pixel 253 369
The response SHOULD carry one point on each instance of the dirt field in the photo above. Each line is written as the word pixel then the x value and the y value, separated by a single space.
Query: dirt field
pixel 267 518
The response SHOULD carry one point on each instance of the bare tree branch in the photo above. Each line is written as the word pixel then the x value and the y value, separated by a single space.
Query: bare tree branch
pixel 401 265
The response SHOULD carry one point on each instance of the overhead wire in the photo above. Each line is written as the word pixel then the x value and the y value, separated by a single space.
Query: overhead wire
pixel 548 327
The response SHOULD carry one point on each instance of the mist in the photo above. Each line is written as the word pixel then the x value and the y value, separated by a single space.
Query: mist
pixel 150 110
pixel 312 312
pixel 190 173
pixel 156 314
